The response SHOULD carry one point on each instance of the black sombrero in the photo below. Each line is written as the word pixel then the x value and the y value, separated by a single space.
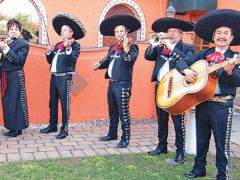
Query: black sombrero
pixel 61 19
pixel 163 24
pixel 107 26
pixel 206 26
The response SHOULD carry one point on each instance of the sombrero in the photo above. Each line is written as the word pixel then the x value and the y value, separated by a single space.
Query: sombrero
pixel 107 26
pixel 163 24
pixel 61 19
pixel 206 26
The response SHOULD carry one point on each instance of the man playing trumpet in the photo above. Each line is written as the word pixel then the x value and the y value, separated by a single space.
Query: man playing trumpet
pixel 166 49
pixel 119 63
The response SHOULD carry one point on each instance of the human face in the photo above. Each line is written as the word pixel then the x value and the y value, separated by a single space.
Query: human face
pixel 174 34
pixel 119 31
pixel 222 37
pixel 66 32
pixel 14 31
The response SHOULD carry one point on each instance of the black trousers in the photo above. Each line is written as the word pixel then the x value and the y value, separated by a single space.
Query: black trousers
pixel 179 127
pixel 215 117
pixel 14 102
pixel 119 93
pixel 60 88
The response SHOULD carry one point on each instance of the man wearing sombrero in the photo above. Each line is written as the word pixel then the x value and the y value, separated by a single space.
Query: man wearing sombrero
pixel 63 61
pixel 166 54
pixel 119 64
pixel 216 114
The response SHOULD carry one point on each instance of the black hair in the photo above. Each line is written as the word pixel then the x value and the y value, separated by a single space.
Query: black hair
pixel 14 22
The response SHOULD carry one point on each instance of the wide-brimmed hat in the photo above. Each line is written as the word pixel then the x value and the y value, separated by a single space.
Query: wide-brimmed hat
pixel 163 24
pixel 206 25
pixel 61 19
pixel 107 26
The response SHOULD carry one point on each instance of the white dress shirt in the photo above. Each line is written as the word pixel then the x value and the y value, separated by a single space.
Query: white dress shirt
pixel 54 63
pixel 111 66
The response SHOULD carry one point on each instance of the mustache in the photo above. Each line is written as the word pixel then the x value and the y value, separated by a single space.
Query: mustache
pixel 219 39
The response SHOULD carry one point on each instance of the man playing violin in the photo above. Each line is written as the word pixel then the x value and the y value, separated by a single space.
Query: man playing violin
pixel 63 59
pixel 119 63
pixel 215 115
pixel 166 54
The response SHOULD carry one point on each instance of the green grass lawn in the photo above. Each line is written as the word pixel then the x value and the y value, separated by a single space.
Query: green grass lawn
pixel 128 166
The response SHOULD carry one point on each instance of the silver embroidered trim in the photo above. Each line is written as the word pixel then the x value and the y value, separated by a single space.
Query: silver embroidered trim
pixel 23 97
pixel 69 92
pixel 125 109
pixel 227 141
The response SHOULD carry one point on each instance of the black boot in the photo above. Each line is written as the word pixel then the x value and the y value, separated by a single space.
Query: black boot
pixel 122 144
pixel 12 133
pixel 179 158
pixel 63 134
pixel 49 129
pixel 107 138
pixel 158 150
pixel 195 174
pixel 7 133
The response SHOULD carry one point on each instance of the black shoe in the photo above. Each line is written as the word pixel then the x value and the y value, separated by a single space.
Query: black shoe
pixel 7 133
pixel 107 138
pixel 158 151
pixel 122 144
pixel 48 129
pixel 13 133
pixel 195 174
pixel 63 134
pixel 180 158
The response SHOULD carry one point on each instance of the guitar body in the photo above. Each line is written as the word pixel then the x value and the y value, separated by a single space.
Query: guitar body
pixel 176 96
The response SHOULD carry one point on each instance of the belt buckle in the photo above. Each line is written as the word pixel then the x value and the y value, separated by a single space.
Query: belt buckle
pixel 218 99
pixel 60 74
pixel 112 80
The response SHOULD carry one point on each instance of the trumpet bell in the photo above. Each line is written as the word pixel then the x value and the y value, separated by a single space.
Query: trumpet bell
pixel 155 40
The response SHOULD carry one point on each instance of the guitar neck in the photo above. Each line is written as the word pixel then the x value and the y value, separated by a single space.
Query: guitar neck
pixel 215 67
pixel 218 66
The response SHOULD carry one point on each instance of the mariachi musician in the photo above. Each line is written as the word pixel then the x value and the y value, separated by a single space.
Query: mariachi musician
pixel 14 100
pixel 63 59
pixel 215 115
pixel 119 63
pixel 166 50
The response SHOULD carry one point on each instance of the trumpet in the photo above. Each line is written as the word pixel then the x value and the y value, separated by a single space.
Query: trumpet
pixel 156 39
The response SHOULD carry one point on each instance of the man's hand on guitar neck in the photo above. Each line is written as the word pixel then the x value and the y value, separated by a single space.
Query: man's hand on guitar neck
pixel 229 65
pixel 191 76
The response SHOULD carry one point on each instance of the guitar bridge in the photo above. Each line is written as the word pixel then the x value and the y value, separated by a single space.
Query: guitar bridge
pixel 170 87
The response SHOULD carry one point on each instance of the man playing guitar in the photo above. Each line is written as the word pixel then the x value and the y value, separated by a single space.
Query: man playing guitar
pixel 216 113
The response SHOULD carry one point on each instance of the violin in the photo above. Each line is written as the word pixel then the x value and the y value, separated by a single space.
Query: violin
pixel 119 44
pixel 3 37
pixel 6 38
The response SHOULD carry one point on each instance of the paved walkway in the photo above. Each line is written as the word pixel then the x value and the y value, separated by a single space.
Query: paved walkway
pixel 83 141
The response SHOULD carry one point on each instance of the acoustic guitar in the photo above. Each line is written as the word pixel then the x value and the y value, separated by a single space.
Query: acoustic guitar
pixel 176 95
